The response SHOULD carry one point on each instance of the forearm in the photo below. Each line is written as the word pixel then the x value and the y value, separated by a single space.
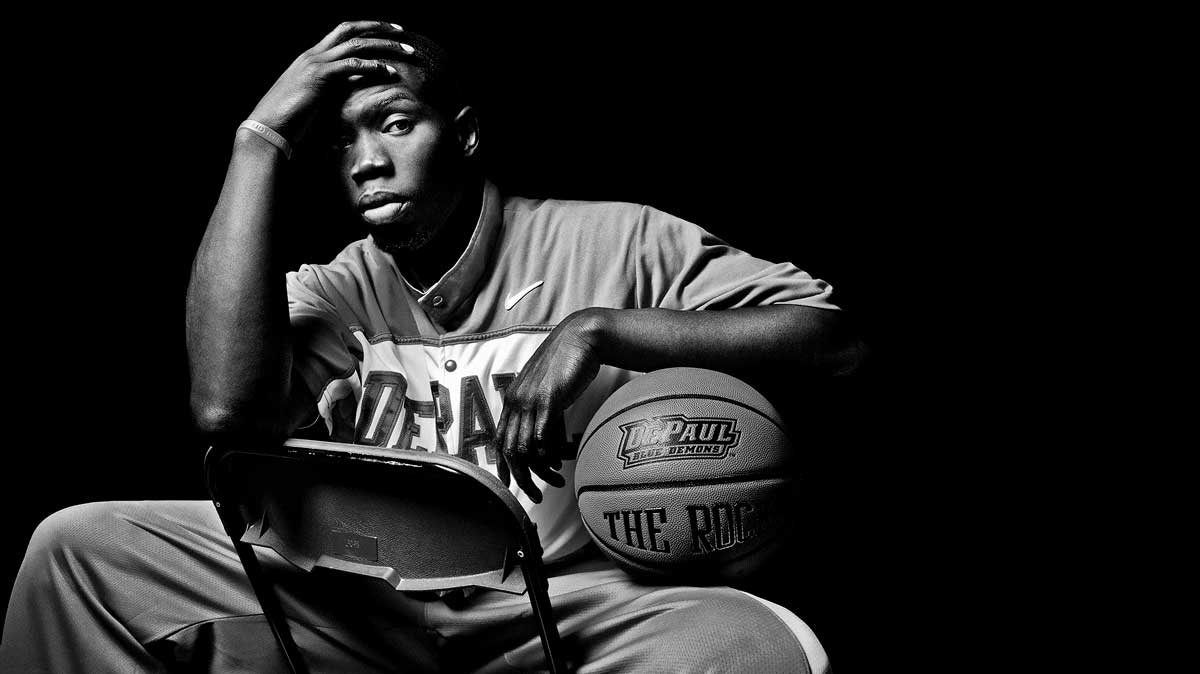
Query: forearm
pixel 749 341
pixel 236 305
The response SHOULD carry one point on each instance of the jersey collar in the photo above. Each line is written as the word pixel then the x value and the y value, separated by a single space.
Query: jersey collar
pixel 449 295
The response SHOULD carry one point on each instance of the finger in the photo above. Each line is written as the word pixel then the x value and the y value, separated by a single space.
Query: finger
pixel 520 474
pixel 352 66
pixel 517 464
pixel 349 29
pixel 525 437
pixel 525 480
pixel 539 429
pixel 498 449
pixel 548 475
pixel 555 437
pixel 512 428
pixel 366 45
pixel 502 470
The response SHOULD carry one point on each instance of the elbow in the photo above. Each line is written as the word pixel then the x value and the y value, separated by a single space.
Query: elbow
pixel 829 343
pixel 218 423
pixel 850 358
pixel 846 352
pixel 211 419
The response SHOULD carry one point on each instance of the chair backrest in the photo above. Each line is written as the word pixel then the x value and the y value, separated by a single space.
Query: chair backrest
pixel 420 521
pixel 417 520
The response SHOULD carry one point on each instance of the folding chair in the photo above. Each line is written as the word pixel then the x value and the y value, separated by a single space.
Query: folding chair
pixel 377 512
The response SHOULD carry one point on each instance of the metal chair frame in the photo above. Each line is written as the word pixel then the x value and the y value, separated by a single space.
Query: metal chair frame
pixel 236 507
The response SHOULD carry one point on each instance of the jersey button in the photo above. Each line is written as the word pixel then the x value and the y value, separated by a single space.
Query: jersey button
pixel 451 366
pixel 438 300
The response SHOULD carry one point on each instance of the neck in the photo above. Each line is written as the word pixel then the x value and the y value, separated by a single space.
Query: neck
pixel 424 267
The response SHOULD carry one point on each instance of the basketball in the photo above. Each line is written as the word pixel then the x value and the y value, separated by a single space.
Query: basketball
pixel 683 473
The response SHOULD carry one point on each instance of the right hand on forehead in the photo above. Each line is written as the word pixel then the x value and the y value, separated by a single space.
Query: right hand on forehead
pixel 354 49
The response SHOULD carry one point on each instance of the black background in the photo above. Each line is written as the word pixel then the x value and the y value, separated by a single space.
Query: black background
pixel 856 145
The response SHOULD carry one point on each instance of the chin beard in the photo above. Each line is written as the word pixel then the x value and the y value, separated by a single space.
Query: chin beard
pixel 404 241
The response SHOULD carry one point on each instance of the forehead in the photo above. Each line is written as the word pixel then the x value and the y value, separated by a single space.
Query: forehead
pixel 408 87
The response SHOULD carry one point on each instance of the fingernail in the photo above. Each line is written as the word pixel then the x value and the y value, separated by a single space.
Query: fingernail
pixel 397 26
pixel 391 70
pixel 408 48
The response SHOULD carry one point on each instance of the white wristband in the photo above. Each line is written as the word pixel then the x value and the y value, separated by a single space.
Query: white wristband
pixel 270 135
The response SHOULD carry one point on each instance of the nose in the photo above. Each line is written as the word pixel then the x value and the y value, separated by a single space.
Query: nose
pixel 369 159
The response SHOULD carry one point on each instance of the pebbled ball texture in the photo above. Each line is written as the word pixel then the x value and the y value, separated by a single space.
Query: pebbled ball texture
pixel 683 474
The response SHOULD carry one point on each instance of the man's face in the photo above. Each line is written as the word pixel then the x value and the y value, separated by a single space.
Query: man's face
pixel 400 161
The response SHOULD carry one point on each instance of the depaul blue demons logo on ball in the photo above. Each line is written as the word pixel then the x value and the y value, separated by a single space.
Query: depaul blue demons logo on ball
pixel 674 436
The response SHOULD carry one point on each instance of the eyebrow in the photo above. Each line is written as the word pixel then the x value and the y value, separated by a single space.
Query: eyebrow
pixel 375 107
pixel 391 98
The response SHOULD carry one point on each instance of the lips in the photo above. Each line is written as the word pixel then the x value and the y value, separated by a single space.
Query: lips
pixel 380 208
pixel 376 199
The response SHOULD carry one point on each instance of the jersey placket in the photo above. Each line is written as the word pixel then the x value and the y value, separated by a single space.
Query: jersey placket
pixel 441 390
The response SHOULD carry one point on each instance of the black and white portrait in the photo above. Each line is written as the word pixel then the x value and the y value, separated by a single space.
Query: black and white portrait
pixel 461 233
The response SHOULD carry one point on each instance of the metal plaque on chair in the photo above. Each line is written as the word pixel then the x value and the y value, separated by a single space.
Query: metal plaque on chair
pixel 352 545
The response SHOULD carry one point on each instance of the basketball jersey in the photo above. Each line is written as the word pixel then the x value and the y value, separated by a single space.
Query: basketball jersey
pixel 392 366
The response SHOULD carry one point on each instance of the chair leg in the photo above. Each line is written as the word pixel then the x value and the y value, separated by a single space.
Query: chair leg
pixel 272 609
pixel 538 587
pixel 267 599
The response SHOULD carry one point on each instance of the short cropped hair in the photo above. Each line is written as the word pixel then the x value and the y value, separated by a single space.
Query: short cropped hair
pixel 441 86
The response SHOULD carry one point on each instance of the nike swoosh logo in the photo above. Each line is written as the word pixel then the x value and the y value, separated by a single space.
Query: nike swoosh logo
pixel 517 296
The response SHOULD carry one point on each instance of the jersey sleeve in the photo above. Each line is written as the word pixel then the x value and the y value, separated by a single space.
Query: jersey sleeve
pixel 324 358
pixel 681 266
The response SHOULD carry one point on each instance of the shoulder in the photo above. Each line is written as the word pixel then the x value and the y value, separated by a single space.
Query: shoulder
pixel 350 269
pixel 608 223
pixel 623 230
pixel 572 214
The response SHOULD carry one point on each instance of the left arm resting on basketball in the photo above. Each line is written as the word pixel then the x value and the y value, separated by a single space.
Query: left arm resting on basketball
pixel 784 339
pixel 802 340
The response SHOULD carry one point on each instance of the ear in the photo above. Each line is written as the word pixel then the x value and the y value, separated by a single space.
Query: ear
pixel 466 124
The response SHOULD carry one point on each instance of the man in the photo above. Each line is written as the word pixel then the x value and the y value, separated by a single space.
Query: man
pixel 468 322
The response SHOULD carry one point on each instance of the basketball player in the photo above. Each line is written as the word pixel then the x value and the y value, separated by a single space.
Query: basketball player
pixel 468 322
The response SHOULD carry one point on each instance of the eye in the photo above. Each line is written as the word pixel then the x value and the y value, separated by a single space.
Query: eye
pixel 398 126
